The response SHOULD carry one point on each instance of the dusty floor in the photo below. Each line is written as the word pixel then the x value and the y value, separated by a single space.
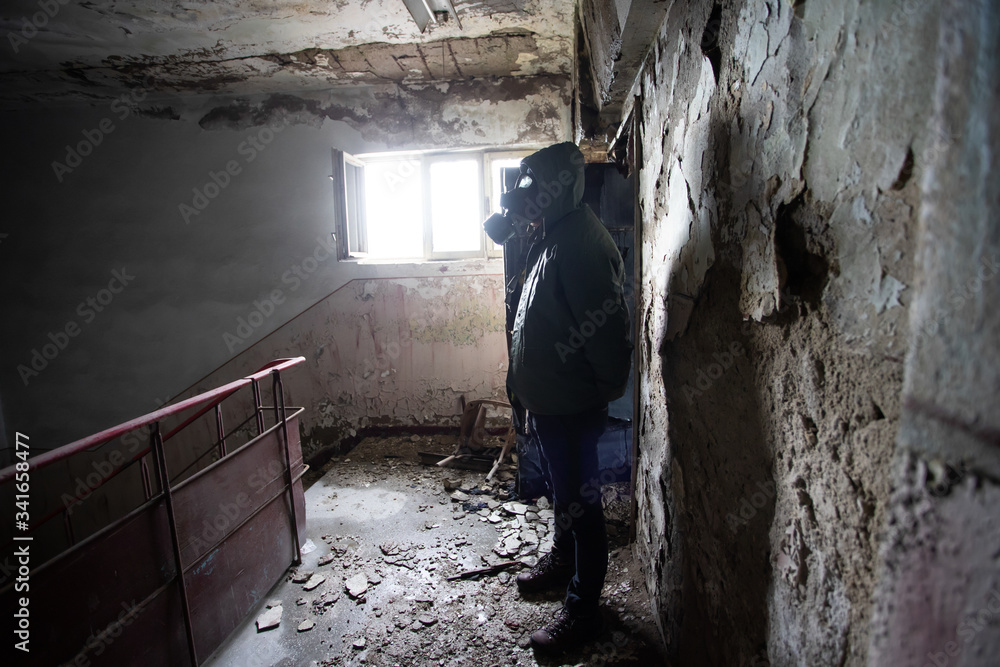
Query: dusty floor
pixel 388 534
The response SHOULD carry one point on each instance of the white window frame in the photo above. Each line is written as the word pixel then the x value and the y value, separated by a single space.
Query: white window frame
pixel 484 163
pixel 425 173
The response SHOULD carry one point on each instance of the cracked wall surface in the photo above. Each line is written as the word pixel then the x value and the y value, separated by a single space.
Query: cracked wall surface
pixel 784 154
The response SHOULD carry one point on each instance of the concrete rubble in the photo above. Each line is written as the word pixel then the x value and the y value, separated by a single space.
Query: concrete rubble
pixel 271 618
pixel 393 589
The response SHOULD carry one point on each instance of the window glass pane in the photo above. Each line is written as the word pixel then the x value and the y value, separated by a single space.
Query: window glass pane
pixel 496 183
pixel 456 213
pixel 354 186
pixel 394 208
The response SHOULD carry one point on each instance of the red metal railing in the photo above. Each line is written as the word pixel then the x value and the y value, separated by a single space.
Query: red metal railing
pixel 213 398
pixel 201 404
pixel 209 400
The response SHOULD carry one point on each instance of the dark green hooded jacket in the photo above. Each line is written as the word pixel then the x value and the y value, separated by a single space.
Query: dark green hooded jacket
pixel 569 349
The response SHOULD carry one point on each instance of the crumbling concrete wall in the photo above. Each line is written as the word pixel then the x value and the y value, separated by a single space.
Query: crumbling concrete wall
pixel 782 150
pixel 938 598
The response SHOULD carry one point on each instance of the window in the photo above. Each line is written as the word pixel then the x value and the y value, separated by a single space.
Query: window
pixel 417 206
pixel 499 163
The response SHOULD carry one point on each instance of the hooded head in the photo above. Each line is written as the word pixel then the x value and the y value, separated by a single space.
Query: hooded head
pixel 558 181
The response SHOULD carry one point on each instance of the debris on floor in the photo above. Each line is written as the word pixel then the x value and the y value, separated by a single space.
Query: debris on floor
pixel 415 566
pixel 271 618
pixel 357 585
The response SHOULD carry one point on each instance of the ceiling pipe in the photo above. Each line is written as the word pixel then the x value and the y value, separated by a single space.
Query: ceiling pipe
pixel 427 11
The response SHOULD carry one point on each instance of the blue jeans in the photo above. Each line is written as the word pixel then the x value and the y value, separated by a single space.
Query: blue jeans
pixel 568 445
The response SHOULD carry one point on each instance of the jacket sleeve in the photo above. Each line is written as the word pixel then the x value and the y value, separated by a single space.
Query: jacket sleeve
pixel 592 277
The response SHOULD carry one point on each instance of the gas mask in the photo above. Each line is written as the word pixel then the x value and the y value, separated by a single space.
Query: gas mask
pixel 519 210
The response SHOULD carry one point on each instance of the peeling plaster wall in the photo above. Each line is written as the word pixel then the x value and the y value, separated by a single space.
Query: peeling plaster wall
pixel 387 350
pixel 494 112
pixel 782 150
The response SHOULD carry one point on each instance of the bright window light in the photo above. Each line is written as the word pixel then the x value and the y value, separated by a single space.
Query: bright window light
pixel 418 206
pixel 456 211
pixel 394 201
pixel 497 170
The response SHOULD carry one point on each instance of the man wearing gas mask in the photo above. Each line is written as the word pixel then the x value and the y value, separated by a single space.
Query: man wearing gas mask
pixel 569 356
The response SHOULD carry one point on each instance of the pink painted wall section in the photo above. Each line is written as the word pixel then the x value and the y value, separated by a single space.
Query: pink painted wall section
pixel 385 351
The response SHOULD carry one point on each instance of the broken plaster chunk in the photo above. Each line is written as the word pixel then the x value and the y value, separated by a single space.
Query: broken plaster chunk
pixel 314 581
pixel 326 560
pixel 302 576
pixel 306 626
pixel 269 619
pixel 508 547
pixel 357 585
pixel 460 497
pixel 359 643
pixel 515 508
pixel 543 503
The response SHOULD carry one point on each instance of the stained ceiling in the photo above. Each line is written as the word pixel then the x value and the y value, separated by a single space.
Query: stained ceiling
pixel 93 50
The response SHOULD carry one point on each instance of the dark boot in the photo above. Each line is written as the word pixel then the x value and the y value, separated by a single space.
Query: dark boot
pixel 551 571
pixel 567 632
